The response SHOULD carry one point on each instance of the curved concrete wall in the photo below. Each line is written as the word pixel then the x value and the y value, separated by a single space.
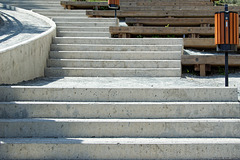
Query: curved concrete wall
pixel 26 60
pixel 1 20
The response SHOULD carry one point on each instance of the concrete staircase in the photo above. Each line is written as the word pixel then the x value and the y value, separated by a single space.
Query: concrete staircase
pixel 106 57
pixel 83 48
pixel 89 119
pixel 101 100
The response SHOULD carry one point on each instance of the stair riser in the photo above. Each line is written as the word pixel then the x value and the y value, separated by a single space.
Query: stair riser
pixel 36 6
pixel 85 24
pixel 119 151
pixel 62 34
pixel 59 11
pixel 117 55
pixel 119 94
pixel 114 64
pixel 74 19
pixel 31 4
pixel 82 29
pixel 119 110
pixel 114 128
pixel 27 1
pixel 113 72
pixel 56 15
pixel 55 47
pixel 114 41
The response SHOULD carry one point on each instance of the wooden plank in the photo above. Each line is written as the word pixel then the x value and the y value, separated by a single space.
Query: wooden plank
pixel 124 1
pixel 174 13
pixel 169 3
pixel 200 43
pixel 170 21
pixel 175 7
pixel 218 60
pixel 162 30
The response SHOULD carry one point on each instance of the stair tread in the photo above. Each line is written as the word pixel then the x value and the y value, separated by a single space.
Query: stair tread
pixel 116 103
pixel 76 120
pixel 160 141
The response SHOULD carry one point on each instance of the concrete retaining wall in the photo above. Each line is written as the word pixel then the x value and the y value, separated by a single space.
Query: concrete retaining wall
pixel 26 60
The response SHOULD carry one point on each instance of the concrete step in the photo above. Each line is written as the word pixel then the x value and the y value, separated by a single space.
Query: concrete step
pixel 32 1
pixel 101 47
pixel 57 15
pixel 82 34
pixel 120 148
pixel 119 110
pixel 117 128
pixel 36 6
pixel 119 41
pixel 30 7
pixel 80 19
pixel 83 29
pixel 126 55
pixel 112 72
pixel 114 63
pixel 112 94
pixel 61 11
pixel 86 24
pixel 45 3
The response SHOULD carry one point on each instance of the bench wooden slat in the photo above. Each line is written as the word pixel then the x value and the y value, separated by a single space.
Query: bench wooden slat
pixel 234 60
pixel 175 13
pixel 162 30
pixel 164 1
pixel 175 7
pixel 169 3
pixel 170 21
pixel 200 43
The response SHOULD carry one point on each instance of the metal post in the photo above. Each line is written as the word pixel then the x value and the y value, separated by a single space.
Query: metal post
pixel 115 13
pixel 226 69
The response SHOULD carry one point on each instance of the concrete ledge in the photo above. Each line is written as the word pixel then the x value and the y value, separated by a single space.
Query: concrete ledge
pixel 26 60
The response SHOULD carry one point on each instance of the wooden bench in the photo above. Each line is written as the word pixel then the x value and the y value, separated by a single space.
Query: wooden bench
pixel 188 12
pixel 203 63
pixel 83 4
pixel 175 7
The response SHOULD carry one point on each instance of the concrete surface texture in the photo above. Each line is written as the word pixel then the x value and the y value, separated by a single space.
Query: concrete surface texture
pixel 25 43
pixel 1 21
pixel 62 117
pixel 34 4
pixel 19 27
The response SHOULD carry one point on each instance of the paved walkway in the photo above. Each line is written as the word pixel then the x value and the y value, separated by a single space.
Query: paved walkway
pixel 19 27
